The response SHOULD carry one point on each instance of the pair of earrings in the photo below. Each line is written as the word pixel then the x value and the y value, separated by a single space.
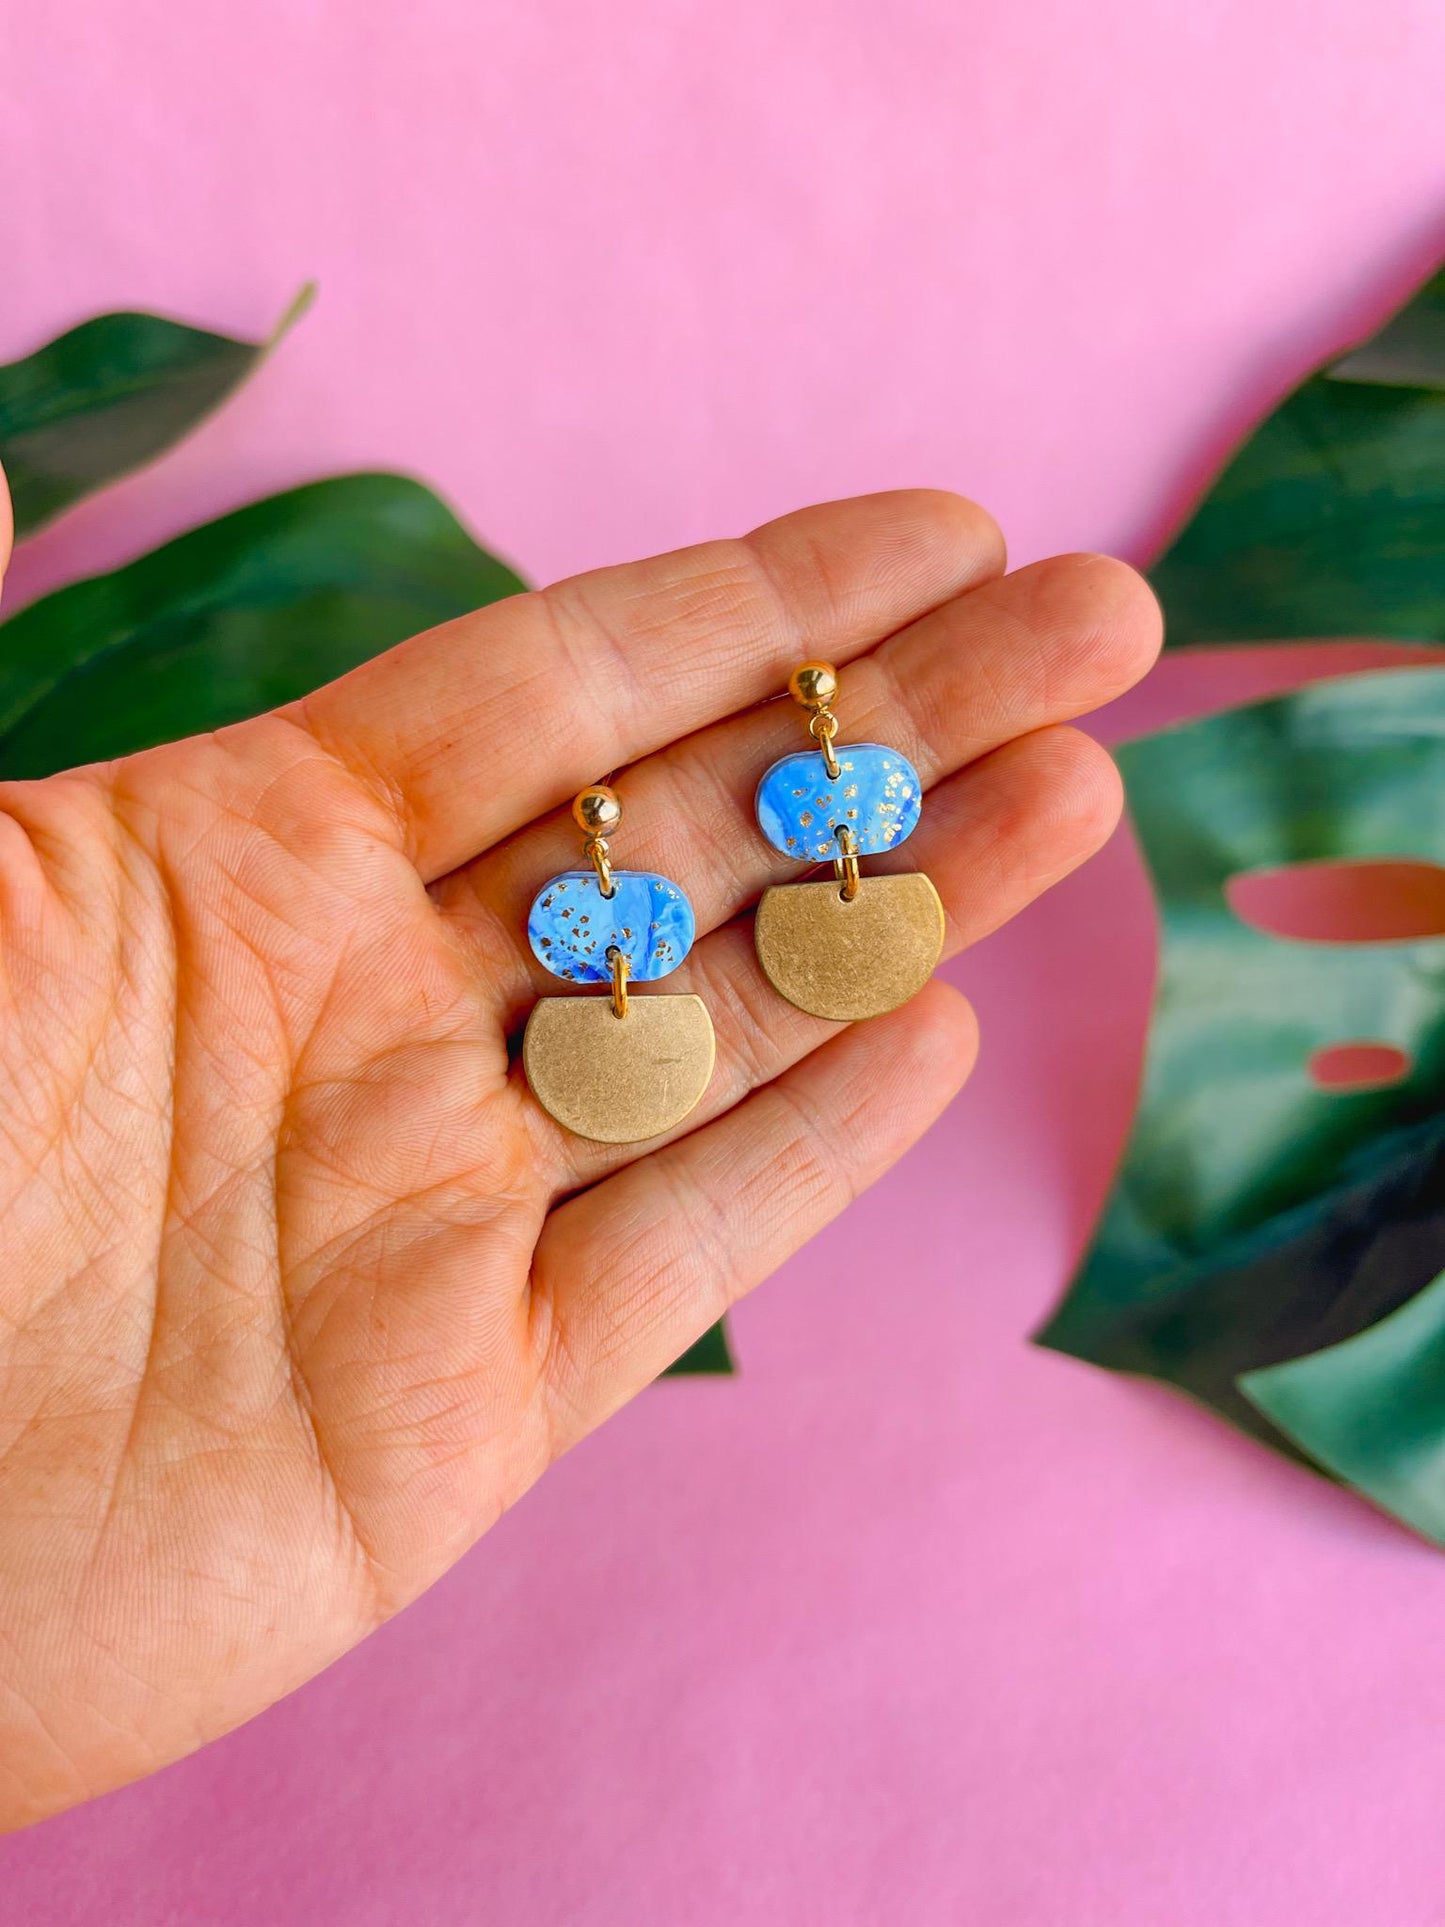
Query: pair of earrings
pixel 622 1068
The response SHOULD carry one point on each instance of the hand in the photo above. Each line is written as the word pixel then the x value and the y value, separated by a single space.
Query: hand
pixel 301 1288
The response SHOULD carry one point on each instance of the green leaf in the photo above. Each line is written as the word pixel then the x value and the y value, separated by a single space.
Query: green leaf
pixel 711 1354
pixel 1330 520
pixel 1409 351
pixel 239 615
pixel 1257 1217
pixel 1372 1409
pixel 108 397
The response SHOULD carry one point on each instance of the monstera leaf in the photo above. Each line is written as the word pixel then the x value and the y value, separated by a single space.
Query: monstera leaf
pixel 109 396
pixel 1275 1240
pixel 235 617
pixel 1260 1215
pixel 1330 521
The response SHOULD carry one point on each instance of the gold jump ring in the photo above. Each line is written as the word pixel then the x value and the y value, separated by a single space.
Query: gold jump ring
pixel 823 727
pixel 595 849
pixel 621 964
pixel 845 864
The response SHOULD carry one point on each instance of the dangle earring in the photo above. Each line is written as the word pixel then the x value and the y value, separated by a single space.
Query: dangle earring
pixel 853 946
pixel 618 1068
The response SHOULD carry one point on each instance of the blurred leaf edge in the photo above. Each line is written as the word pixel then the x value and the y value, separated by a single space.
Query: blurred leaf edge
pixel 110 396
pixel 1327 522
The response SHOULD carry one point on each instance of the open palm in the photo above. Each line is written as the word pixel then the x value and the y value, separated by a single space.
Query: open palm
pixel 301 1287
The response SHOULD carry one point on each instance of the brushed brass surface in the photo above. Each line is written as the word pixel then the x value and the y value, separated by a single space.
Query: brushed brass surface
pixel 616 1079
pixel 855 959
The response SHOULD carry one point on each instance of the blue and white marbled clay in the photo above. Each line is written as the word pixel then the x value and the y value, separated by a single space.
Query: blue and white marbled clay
pixel 877 795
pixel 572 926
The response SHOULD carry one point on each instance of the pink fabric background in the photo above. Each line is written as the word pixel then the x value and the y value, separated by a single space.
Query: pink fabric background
pixel 910 1623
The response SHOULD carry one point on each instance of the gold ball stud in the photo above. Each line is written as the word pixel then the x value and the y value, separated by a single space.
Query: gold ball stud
pixel 813 684
pixel 597 810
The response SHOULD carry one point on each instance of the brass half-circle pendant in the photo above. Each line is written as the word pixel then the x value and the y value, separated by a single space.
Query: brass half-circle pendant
pixel 850 960
pixel 618 1079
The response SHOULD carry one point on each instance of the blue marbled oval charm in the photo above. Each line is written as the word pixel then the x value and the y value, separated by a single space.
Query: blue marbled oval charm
pixel 572 925
pixel 877 795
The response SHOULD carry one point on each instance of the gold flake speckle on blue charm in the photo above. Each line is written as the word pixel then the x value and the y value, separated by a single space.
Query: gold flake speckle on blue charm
pixel 573 927
pixel 876 795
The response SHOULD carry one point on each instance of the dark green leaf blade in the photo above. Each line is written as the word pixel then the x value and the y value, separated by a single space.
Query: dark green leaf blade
pixel 1330 520
pixel 109 396
pixel 239 615
pixel 1409 351
pixel 1257 1217
pixel 1372 1409
pixel 711 1355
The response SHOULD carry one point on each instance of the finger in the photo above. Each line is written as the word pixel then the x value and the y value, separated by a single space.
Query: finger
pixel 996 836
pixel 1017 655
pixel 629 1274
pixel 476 727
